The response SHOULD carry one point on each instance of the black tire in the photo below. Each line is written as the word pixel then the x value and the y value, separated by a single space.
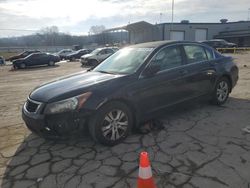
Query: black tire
pixel 51 63
pixel 101 123
pixel 22 66
pixel 15 67
pixel 221 91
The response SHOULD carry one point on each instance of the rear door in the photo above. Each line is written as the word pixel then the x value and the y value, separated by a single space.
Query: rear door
pixel 199 71
pixel 44 59
pixel 33 59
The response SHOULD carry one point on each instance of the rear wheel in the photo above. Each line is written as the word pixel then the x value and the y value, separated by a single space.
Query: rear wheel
pixel 111 124
pixel 51 63
pixel 221 92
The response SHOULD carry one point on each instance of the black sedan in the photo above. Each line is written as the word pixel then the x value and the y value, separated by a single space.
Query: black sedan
pixel 36 59
pixel 219 43
pixel 2 61
pixel 22 55
pixel 77 54
pixel 129 87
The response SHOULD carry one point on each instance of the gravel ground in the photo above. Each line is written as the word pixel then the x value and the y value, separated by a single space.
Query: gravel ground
pixel 200 145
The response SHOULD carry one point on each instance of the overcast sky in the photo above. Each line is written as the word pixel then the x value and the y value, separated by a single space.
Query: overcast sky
pixel 77 16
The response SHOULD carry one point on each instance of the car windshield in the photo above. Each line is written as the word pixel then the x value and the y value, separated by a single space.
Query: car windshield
pixel 29 56
pixel 96 51
pixel 125 61
pixel 24 53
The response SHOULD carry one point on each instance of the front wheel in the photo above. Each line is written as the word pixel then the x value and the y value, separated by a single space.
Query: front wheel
pixel 221 92
pixel 22 66
pixel 111 124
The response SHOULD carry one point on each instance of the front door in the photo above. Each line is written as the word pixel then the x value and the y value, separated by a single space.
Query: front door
pixel 164 88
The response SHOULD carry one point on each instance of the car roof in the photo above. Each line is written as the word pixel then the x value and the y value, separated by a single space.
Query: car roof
pixel 37 53
pixel 213 40
pixel 160 43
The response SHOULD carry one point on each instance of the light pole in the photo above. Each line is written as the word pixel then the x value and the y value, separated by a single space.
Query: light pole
pixel 248 17
pixel 160 17
pixel 172 20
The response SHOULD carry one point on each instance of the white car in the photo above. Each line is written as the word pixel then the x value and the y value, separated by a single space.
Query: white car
pixel 98 55
pixel 63 53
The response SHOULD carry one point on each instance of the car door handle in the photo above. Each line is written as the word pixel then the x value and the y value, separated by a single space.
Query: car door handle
pixel 183 72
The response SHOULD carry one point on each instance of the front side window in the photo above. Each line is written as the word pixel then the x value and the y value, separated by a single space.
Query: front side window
pixel 195 53
pixel 167 58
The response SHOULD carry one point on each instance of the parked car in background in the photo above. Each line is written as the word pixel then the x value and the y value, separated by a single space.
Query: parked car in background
pixel 98 55
pixel 22 55
pixel 129 87
pixel 219 43
pixel 36 59
pixel 63 53
pixel 77 54
pixel 2 61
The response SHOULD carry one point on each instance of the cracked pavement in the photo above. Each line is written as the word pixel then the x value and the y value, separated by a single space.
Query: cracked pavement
pixel 200 145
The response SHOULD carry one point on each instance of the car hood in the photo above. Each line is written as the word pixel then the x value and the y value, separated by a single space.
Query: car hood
pixel 70 86
pixel 87 55
pixel 18 60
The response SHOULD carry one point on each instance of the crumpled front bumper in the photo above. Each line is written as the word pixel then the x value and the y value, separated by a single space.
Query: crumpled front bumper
pixel 56 125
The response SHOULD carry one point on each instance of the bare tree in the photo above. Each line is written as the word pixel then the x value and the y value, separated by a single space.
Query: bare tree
pixel 96 29
pixel 50 34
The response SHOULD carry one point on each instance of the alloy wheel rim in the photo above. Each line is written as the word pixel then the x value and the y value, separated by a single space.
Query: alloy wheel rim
pixel 222 91
pixel 115 125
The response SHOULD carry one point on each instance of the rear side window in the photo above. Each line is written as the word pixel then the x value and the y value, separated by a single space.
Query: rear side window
pixel 109 51
pixel 167 58
pixel 195 53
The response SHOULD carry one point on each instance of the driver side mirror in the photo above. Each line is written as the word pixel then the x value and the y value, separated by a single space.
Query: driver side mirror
pixel 151 70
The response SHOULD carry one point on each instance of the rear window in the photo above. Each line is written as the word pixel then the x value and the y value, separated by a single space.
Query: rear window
pixel 195 53
pixel 209 53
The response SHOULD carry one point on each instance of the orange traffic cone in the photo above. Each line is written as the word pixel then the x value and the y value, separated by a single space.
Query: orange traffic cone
pixel 145 179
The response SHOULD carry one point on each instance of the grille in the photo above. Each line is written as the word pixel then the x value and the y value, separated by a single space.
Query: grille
pixel 31 106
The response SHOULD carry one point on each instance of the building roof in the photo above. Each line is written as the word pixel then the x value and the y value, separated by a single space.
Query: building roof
pixel 205 23
pixel 131 27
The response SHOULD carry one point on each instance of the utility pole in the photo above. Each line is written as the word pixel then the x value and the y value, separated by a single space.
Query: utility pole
pixel 172 21
pixel 160 17
pixel 248 17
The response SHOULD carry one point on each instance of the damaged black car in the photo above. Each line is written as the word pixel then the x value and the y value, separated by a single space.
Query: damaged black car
pixel 129 87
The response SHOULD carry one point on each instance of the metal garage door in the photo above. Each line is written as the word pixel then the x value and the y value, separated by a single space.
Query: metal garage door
pixel 200 34
pixel 177 35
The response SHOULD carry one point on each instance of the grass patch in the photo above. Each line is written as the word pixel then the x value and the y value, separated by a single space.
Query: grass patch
pixel 8 54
